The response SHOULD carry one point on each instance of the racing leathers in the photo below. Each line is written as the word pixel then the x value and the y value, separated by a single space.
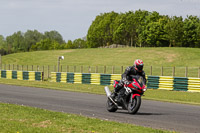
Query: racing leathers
pixel 127 75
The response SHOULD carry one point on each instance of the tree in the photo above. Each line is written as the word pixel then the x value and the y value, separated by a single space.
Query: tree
pixel 174 31
pixel 79 43
pixel 31 38
pixel 15 42
pixel 190 31
pixel 141 23
pixel 2 45
pixel 101 31
pixel 54 35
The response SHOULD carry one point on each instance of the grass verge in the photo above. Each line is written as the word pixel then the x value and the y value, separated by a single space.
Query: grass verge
pixel 20 119
pixel 160 95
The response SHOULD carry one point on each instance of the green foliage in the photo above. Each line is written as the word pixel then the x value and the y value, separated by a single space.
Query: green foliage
pixel 140 29
pixel 144 29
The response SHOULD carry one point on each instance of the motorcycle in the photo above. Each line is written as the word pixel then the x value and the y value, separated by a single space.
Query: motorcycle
pixel 128 98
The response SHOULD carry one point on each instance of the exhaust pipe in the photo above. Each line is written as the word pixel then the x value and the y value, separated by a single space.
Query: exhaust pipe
pixel 108 93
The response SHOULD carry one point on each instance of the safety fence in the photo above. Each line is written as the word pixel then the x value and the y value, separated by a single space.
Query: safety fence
pixel 153 82
pixel 22 75
pixel 149 70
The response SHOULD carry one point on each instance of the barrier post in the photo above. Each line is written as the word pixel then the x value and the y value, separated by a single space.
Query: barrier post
pixel 151 70
pixel 173 72
pixel 74 69
pixel 113 68
pixel 162 71
pixel 48 71
pixel 67 68
pixel 89 69
pixel 121 69
pixel 81 69
pixel 96 71
pixel 199 72
pixel 186 71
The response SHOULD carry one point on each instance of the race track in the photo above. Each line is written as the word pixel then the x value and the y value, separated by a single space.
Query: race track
pixel 161 115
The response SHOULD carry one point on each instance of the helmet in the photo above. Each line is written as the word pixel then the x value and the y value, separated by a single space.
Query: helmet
pixel 138 64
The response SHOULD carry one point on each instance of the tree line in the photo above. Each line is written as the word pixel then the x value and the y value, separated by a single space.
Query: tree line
pixel 33 40
pixel 144 29
pixel 137 29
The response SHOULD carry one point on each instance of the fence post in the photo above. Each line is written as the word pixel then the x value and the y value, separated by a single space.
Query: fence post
pixel 81 69
pixel 96 70
pixel 113 69
pixel 13 67
pixel 151 70
pixel 199 72
pixel 43 69
pixel 186 71
pixel 8 66
pixel 48 71
pixel 67 68
pixel 121 69
pixel 61 68
pixel 22 67
pixel 104 69
pixel 74 69
pixel 162 71
pixel 173 72
pixel 5 67
pixel 38 68
pixel 89 69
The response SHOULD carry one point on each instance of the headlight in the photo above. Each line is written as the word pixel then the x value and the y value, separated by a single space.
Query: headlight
pixel 144 89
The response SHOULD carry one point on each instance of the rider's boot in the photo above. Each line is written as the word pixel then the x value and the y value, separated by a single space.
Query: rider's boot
pixel 115 95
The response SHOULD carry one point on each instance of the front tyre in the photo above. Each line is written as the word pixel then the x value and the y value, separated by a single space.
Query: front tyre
pixel 134 104
pixel 111 107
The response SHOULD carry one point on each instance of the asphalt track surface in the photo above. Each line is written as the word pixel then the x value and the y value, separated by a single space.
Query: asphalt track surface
pixel 155 114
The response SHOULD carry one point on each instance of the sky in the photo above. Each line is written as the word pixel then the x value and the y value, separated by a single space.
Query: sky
pixel 72 18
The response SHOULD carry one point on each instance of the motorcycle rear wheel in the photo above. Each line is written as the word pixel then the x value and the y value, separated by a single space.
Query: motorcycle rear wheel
pixel 111 107
pixel 134 104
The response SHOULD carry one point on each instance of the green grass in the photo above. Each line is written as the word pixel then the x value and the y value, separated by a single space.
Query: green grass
pixel 21 119
pixel 155 57
pixel 160 95
pixel 109 57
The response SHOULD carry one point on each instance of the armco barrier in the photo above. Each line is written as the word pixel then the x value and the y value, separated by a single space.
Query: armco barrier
pixel 85 78
pixel 173 83
pixel 153 82
pixel 21 75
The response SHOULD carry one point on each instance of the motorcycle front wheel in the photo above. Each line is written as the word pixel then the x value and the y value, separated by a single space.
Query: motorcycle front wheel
pixel 111 107
pixel 134 104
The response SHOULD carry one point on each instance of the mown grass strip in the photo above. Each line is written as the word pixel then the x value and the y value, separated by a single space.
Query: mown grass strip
pixel 160 95
pixel 21 119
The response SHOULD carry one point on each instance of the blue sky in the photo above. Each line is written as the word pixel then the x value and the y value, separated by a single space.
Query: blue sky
pixel 72 18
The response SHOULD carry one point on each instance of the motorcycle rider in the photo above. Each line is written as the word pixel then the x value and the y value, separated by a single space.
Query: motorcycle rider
pixel 136 69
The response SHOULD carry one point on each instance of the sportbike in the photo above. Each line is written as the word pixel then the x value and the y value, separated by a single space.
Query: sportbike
pixel 129 97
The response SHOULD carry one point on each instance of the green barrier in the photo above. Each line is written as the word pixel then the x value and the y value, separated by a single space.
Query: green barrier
pixel 22 75
pixel 153 82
